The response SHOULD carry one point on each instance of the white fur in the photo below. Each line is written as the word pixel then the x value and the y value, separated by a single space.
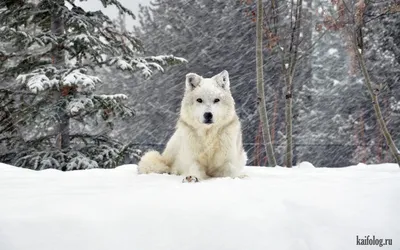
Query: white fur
pixel 199 149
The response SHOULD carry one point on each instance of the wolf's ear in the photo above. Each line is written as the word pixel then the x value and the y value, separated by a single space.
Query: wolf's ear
pixel 192 81
pixel 223 80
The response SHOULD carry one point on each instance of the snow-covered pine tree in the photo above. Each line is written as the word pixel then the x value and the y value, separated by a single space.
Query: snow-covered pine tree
pixel 51 117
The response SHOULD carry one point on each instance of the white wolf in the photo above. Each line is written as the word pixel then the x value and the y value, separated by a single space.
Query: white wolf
pixel 208 139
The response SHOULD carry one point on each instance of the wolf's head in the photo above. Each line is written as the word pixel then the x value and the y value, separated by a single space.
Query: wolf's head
pixel 207 101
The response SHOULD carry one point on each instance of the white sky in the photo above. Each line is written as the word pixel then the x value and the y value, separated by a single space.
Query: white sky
pixel 112 12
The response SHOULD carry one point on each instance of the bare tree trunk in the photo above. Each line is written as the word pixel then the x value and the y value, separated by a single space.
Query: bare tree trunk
pixel 374 96
pixel 57 28
pixel 304 75
pixel 290 71
pixel 260 87
pixel 289 124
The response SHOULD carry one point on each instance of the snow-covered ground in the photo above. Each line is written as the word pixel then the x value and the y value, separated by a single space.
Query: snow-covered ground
pixel 274 208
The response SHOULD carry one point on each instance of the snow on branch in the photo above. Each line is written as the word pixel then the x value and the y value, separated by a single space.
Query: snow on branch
pixel 94 33
pixel 166 59
pixel 112 105
pixel 79 79
pixel 48 77
pixel 25 39
pixel 122 64
pixel 108 156
pixel 77 105
pixel 113 97
pixel 81 37
pixel 81 162
pixel 39 160
pixel 37 81
pixel 119 6
pixel 145 69
pixel 145 64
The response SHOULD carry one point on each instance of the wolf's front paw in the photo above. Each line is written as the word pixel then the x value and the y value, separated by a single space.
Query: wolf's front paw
pixel 241 176
pixel 190 179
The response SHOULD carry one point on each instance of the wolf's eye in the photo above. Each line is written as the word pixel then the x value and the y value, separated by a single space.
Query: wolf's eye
pixel 199 100
pixel 216 100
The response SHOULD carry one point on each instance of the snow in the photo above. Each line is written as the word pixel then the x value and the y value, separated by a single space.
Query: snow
pixel 146 71
pixel 156 65
pixel 274 208
pixel 124 65
pixel 113 97
pixel 306 164
pixel 76 78
pixel 35 83
pixel 81 37
pixel 80 162
pixel 76 105
pixel 162 59
pixel 394 105
pixel 335 82
pixel 144 64
pixel 332 51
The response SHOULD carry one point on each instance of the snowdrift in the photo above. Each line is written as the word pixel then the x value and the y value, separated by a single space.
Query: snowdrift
pixel 274 208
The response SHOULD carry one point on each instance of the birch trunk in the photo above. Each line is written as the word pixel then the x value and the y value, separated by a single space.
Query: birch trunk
pixel 290 71
pixel 289 124
pixel 374 97
pixel 266 133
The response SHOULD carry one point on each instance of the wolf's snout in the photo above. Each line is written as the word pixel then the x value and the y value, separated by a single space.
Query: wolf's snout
pixel 208 117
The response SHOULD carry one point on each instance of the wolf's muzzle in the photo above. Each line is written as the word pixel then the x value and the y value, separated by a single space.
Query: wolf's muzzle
pixel 208 117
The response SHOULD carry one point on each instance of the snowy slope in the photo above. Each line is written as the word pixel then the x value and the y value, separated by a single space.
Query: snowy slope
pixel 300 208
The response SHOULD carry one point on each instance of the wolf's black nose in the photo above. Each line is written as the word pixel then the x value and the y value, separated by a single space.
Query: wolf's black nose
pixel 208 116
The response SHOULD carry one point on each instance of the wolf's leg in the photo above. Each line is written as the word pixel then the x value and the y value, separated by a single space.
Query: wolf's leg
pixel 194 174
pixel 240 176
pixel 235 170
